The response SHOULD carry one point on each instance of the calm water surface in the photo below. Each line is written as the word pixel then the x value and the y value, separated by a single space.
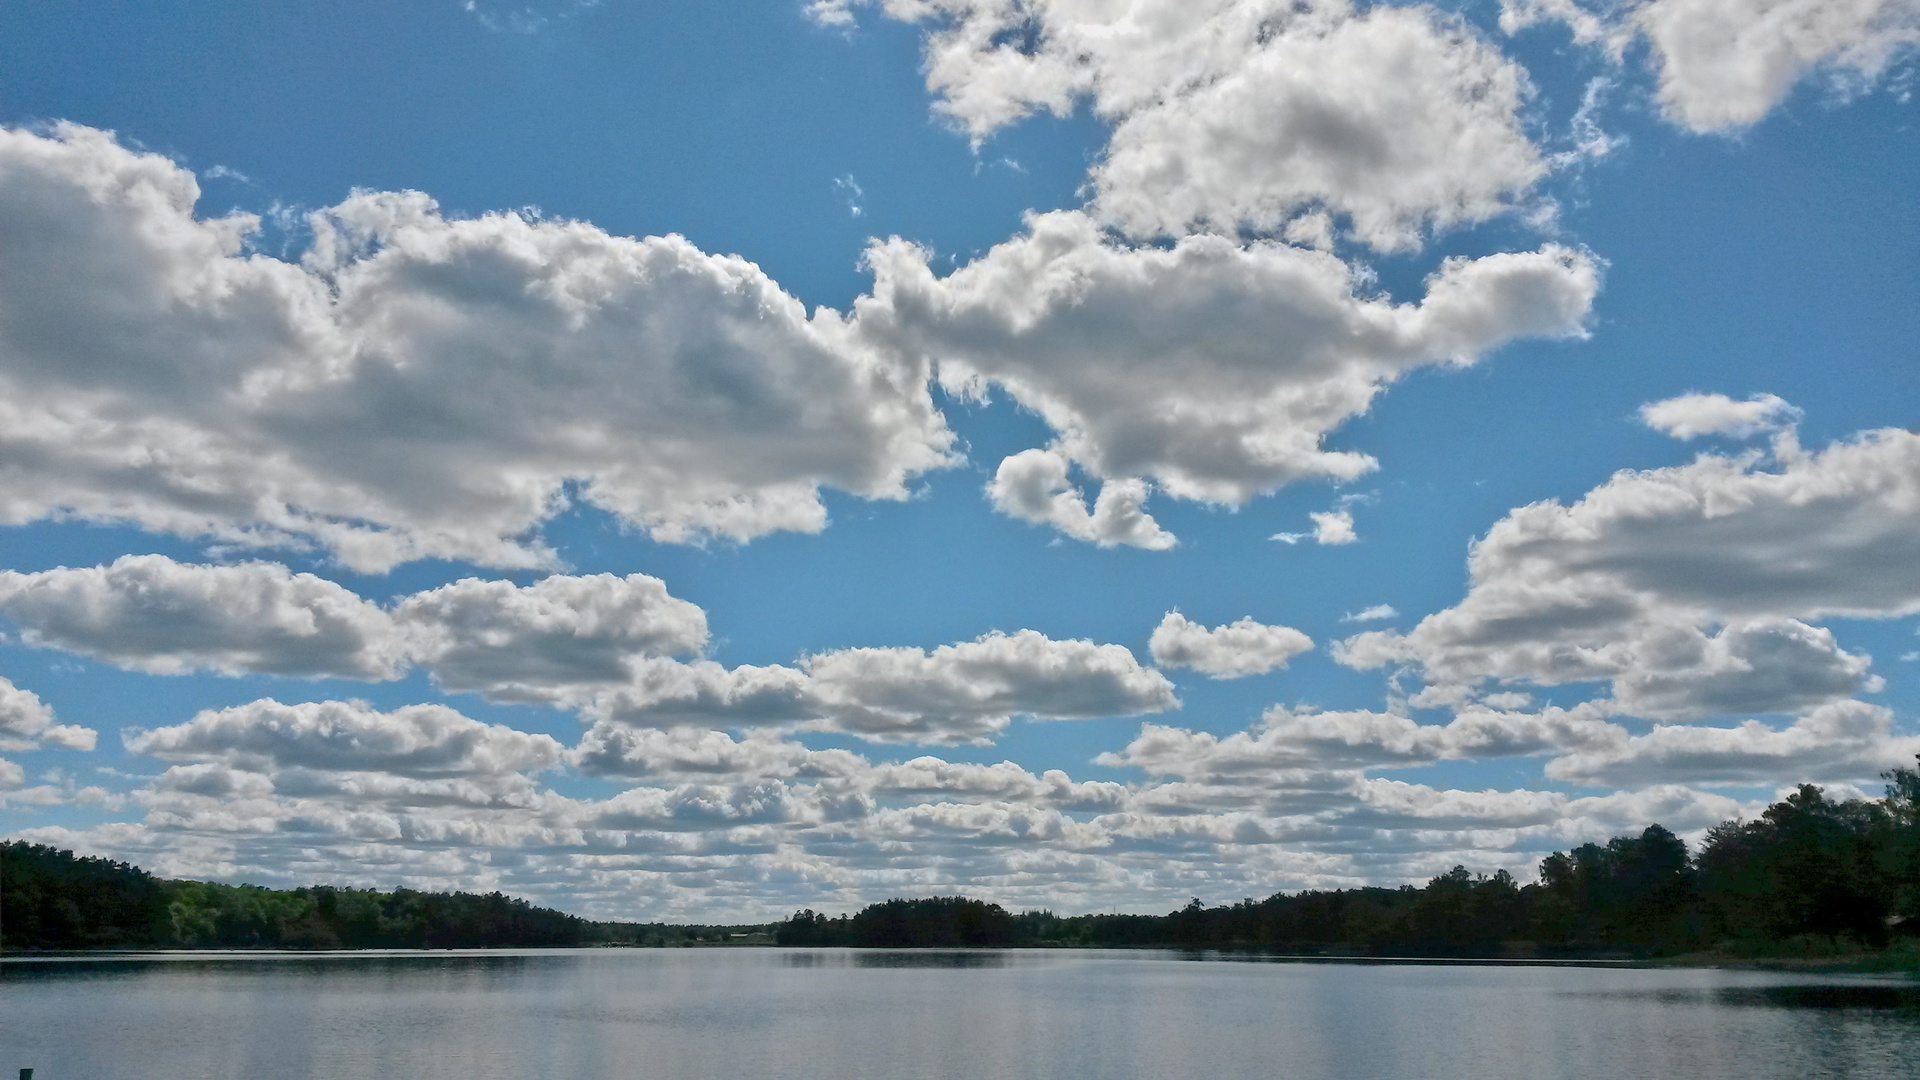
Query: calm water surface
pixel 792 1013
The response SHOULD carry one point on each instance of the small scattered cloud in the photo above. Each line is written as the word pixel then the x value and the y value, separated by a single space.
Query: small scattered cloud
pixel 1375 613
pixel 1690 416
pixel 1034 486
pixel 1225 652
pixel 850 190
pixel 1329 527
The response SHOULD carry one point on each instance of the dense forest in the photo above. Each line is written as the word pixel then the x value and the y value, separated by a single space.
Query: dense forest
pixel 1810 876
pixel 52 899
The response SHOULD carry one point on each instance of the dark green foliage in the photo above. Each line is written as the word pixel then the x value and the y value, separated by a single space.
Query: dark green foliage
pixel 1636 892
pixel 1457 913
pixel 52 899
pixel 1899 845
pixel 1809 866
pixel 937 922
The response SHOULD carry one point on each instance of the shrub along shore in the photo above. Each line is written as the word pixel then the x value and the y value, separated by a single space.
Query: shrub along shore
pixel 1811 878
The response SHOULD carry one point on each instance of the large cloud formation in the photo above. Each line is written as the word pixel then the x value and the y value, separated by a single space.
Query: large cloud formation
pixel 1190 330
pixel 961 693
pixel 150 613
pixel 1213 369
pixel 746 826
pixel 613 647
pixel 550 641
pixel 1248 113
pixel 1688 587
pixel 416 386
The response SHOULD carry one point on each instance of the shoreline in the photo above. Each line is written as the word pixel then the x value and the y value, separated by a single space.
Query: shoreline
pixel 1891 962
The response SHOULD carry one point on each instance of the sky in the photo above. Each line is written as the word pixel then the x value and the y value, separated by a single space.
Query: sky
pixel 683 461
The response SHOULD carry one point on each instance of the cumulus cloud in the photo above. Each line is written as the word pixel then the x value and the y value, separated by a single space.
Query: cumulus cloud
pixel 26 722
pixel 1329 527
pixel 1249 114
pixel 417 741
pixel 752 825
pixel 1225 652
pixel 1033 486
pixel 1840 742
pixel 1690 416
pixel 1286 739
pixel 550 640
pixel 554 641
pixel 1396 120
pixel 613 749
pixel 967 692
pixel 417 385
pixel 1689 587
pixel 1212 369
pixel 1724 64
pixel 150 613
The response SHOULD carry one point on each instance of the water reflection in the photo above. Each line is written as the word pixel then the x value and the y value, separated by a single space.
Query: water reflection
pixel 1817 995
pixel 894 958
pixel 275 966
pixel 931 1015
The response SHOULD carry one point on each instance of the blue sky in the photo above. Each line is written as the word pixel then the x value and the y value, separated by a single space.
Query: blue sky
pixel 385 502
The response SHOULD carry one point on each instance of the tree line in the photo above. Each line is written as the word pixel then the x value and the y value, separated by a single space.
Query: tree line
pixel 53 899
pixel 1811 875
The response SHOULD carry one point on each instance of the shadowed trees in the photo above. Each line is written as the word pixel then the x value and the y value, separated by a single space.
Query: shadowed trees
pixel 936 922
pixel 1807 866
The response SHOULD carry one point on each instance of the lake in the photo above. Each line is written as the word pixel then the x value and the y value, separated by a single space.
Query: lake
pixel 795 1014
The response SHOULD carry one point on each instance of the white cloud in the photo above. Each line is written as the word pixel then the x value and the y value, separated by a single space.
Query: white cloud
pixel 613 749
pixel 549 641
pixel 1033 486
pixel 753 826
pixel 1248 113
pixel 1688 587
pixel 1211 369
pixel 1225 652
pixel 1724 64
pixel 11 775
pixel 417 741
pixel 1844 741
pixel 1756 665
pixel 150 613
pixel 1285 740
pixel 1334 527
pixel 554 641
pixel 683 753
pixel 960 693
pixel 1329 527
pixel 1395 120
pixel 417 386
pixel 26 722
pixel 1690 416
pixel 1373 614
